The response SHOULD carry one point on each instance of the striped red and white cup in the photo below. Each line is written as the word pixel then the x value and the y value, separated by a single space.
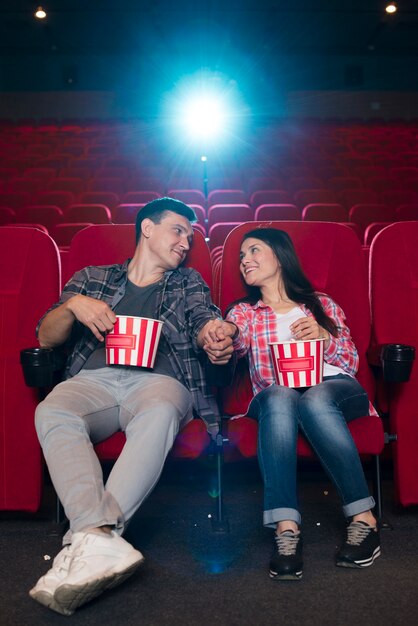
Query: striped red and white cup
pixel 298 363
pixel 133 341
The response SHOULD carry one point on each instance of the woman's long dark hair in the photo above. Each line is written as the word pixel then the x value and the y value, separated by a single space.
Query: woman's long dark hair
pixel 297 285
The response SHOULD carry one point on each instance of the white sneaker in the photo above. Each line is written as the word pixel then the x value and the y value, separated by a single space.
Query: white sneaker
pixel 43 591
pixel 100 561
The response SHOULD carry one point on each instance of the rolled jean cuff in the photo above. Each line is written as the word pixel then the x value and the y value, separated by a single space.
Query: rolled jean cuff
pixel 271 517
pixel 359 506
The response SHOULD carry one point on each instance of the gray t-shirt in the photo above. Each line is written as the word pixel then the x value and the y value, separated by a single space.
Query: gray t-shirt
pixel 140 302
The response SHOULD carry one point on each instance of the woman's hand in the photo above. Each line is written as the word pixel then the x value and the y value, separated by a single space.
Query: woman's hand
pixel 216 339
pixel 308 328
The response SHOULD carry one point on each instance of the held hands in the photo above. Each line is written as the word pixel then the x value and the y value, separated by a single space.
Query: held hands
pixel 216 339
pixel 307 328
pixel 95 314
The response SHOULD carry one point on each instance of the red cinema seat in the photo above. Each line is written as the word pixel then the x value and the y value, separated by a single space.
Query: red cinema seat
pixel 63 233
pixel 139 197
pixel 350 197
pixel 7 216
pixel 406 212
pixel 126 213
pixel 304 197
pixel 15 199
pixel 103 244
pixel 270 196
pixel 229 213
pixel 108 198
pixel 331 254
pixel 322 212
pixel 218 232
pixel 46 215
pixel 365 214
pixel 277 212
pixel 394 299
pixel 29 284
pixel 372 230
pixel 61 199
pixel 95 213
pixel 227 196
pixel 188 196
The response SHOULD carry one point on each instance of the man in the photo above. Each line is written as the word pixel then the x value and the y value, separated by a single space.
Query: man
pixel 96 400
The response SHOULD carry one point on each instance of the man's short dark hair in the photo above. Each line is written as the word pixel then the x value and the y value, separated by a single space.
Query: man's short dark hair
pixel 155 210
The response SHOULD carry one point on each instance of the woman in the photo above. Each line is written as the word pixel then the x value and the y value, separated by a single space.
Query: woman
pixel 282 305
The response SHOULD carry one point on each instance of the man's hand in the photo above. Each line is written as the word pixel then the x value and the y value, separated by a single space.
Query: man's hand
pixel 216 339
pixel 95 314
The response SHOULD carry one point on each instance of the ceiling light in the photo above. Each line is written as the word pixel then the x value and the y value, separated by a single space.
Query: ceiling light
pixel 40 13
pixel 391 8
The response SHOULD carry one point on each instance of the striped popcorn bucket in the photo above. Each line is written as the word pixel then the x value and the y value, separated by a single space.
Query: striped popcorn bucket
pixel 298 363
pixel 133 341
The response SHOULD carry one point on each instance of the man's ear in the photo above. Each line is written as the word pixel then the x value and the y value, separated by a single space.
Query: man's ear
pixel 146 227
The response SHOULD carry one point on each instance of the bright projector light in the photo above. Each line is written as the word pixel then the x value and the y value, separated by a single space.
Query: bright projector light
pixel 204 118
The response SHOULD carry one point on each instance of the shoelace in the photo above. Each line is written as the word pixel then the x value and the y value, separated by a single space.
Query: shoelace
pixel 287 543
pixel 64 563
pixel 357 532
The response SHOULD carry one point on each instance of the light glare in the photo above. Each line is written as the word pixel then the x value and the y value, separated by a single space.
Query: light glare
pixel 391 8
pixel 204 117
pixel 40 13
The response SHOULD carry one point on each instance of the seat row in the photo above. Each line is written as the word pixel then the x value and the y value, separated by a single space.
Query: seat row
pixel 215 224
pixel 332 257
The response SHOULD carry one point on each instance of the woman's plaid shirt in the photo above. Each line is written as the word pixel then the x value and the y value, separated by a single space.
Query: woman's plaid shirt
pixel 258 327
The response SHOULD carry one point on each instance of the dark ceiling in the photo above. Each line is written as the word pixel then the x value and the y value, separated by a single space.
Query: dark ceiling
pixel 337 27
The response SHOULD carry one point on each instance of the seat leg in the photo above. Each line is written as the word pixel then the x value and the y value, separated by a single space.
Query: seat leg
pixel 220 523
pixel 377 489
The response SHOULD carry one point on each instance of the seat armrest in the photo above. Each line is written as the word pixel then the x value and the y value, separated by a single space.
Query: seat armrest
pixel 396 360
pixel 42 366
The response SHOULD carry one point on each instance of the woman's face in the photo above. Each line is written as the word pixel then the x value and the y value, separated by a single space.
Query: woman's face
pixel 258 263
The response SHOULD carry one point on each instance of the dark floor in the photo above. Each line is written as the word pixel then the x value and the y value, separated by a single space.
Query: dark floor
pixel 192 576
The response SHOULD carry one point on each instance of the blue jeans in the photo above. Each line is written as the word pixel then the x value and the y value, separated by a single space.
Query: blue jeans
pixel 322 413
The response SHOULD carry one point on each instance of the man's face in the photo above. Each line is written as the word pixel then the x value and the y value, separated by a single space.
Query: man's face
pixel 169 241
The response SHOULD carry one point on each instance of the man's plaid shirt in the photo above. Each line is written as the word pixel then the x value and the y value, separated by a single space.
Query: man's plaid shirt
pixel 184 305
pixel 258 327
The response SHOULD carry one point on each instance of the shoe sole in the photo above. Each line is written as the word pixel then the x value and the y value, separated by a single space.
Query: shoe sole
pixel 360 564
pixel 295 576
pixel 70 597
pixel 46 599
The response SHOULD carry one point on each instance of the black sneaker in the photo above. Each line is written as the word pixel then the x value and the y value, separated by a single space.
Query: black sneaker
pixel 286 563
pixel 361 547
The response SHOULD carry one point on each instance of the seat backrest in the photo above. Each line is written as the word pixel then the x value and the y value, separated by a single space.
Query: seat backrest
pixel 310 196
pixel 126 213
pixel 104 244
pixel 372 230
pixel 394 269
pixel 350 197
pixel 331 255
pixel 229 213
pixel 408 212
pixel 29 285
pixel 365 214
pixel 7 216
pixel 49 216
pixel 277 212
pixel 218 232
pixel 325 212
pixel 108 198
pixel 227 196
pixel 394 306
pixel 95 213
pixel 270 196
pixel 189 196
